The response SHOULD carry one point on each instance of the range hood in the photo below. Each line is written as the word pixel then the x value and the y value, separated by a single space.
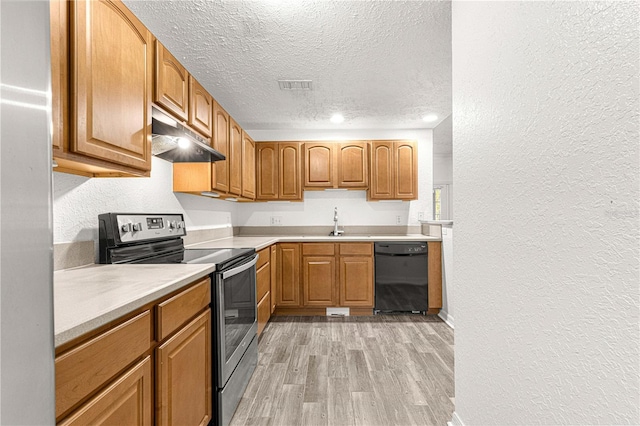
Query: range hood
pixel 176 143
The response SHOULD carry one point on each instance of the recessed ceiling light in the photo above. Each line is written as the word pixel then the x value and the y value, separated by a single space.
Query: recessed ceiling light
pixel 337 118
pixel 429 118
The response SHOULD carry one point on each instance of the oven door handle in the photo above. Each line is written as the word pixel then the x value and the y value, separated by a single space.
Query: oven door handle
pixel 241 268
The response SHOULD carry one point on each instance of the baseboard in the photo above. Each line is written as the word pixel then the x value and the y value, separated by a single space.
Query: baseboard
pixel 455 420
pixel 448 319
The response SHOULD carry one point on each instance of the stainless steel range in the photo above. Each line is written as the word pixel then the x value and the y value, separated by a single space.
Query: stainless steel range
pixel 133 238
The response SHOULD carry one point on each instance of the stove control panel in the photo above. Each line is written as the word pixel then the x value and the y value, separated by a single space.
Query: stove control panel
pixel 138 227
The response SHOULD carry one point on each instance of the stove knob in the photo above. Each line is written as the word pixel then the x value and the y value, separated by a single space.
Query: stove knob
pixel 127 227
pixel 137 226
pixel 172 224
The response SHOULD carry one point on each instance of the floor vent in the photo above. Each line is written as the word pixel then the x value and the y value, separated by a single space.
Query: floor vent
pixel 295 84
pixel 337 312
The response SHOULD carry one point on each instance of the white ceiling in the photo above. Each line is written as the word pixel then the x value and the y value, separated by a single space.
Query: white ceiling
pixel 382 64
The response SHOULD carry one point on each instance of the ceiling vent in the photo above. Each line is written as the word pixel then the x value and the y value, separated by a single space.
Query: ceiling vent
pixel 295 84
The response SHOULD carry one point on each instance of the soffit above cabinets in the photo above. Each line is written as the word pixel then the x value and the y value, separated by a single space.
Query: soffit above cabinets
pixel 381 64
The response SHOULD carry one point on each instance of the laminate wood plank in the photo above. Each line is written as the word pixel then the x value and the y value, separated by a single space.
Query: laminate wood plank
pixel 444 351
pixel 373 354
pixel 316 382
pixel 339 405
pixel 297 369
pixel 289 409
pixel 366 410
pixel 422 415
pixel 259 421
pixel 268 394
pixel 439 372
pixel 314 414
pixel 359 379
pixel 391 395
pixel 443 331
pixel 337 361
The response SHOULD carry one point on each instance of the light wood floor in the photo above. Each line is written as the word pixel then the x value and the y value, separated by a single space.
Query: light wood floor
pixel 379 370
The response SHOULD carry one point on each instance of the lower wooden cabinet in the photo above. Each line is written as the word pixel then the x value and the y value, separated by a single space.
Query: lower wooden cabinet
pixel 263 287
pixel 318 281
pixel 128 401
pixel 288 275
pixel 183 375
pixel 264 312
pixel 106 378
pixel 356 281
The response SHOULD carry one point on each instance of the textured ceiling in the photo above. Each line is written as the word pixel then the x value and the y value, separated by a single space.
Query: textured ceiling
pixel 382 64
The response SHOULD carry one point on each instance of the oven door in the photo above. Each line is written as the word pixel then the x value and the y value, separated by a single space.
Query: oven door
pixel 235 306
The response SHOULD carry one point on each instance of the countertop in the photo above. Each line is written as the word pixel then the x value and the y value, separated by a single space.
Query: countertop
pixel 261 242
pixel 89 297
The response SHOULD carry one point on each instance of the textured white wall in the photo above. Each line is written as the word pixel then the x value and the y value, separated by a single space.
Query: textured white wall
pixel 353 208
pixel 442 169
pixel 77 202
pixel 546 168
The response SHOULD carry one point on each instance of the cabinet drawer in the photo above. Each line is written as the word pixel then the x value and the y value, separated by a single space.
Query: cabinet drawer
pixel 127 401
pixel 264 312
pixel 264 256
pixel 356 249
pixel 87 367
pixel 174 312
pixel 263 278
pixel 314 249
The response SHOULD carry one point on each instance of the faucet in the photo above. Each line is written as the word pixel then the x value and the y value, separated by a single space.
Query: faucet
pixel 336 232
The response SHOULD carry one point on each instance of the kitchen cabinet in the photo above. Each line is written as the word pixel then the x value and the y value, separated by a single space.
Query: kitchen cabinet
pixel 220 169
pixel 102 95
pixel 183 375
pixel 434 271
pixel 394 170
pixel 234 161
pixel 264 286
pixel 279 171
pixel 248 167
pixel 319 275
pixel 288 275
pixel 171 84
pixel 200 108
pixel 274 275
pixel 336 165
pixel 106 376
pixel 356 275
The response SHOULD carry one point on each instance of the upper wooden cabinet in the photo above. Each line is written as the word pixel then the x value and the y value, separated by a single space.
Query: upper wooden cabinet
pixel 171 88
pixel 336 165
pixel 394 170
pixel 110 89
pixel 278 171
pixel 248 167
pixel 319 165
pixel 220 141
pixel 200 108
pixel 234 161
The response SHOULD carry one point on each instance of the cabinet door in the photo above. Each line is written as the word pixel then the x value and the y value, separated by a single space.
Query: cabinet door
pixel 220 174
pixel 353 165
pixel 434 250
pixel 127 401
pixel 183 375
pixel 288 279
pixel 264 313
pixel 248 167
pixel 406 170
pixel 356 281
pixel 112 77
pixel 59 73
pixel 235 158
pixel 171 87
pixel 200 108
pixel 267 171
pixel 381 184
pixel 319 165
pixel 318 280
pixel 274 276
pixel 290 171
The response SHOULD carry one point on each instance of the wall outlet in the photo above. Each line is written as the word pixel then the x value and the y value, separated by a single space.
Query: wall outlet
pixel 420 215
pixel 398 220
pixel 276 220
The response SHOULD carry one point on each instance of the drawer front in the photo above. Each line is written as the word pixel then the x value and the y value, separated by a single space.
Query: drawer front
pixel 264 312
pixel 179 309
pixel 356 249
pixel 315 249
pixel 87 367
pixel 264 256
pixel 263 277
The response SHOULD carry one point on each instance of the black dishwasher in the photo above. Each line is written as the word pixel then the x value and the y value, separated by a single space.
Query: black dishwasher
pixel 401 282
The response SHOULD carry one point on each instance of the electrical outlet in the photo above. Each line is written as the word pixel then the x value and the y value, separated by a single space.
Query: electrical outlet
pixel 398 220
pixel 276 220
pixel 420 215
